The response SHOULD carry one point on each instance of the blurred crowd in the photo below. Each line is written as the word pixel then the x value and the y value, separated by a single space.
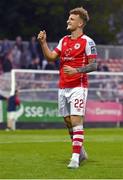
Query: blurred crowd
pixel 19 54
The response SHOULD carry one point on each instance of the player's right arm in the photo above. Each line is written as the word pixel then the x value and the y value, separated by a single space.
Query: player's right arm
pixel 49 55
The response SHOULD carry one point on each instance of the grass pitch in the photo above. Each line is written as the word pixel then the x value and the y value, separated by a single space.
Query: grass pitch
pixel 44 154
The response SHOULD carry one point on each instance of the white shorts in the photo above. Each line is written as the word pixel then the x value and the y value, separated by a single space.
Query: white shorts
pixel 11 115
pixel 72 101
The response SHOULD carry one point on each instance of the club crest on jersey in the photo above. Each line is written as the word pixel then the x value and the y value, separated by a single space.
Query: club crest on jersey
pixel 77 46
pixel 65 43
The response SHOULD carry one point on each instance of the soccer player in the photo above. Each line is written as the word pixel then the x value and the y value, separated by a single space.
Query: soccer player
pixel 77 54
pixel 13 102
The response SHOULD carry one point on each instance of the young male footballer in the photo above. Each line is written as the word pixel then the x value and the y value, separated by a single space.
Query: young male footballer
pixel 77 54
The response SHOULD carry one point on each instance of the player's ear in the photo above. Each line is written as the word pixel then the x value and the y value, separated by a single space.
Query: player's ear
pixel 81 23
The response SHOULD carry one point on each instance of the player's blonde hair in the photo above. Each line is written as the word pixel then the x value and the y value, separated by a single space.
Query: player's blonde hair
pixel 82 13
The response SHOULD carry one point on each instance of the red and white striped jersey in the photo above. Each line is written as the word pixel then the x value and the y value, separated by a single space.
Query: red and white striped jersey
pixel 75 53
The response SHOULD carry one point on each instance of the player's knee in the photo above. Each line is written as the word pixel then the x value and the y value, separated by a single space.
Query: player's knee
pixel 76 120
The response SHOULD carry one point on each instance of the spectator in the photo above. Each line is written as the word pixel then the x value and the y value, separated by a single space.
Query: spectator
pixel 5 47
pixel 16 52
pixel 19 43
pixel 25 59
pixel 102 67
pixel 33 46
pixel 40 54
pixel 35 64
pixel 7 62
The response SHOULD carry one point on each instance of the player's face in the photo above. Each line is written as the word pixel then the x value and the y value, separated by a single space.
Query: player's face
pixel 74 22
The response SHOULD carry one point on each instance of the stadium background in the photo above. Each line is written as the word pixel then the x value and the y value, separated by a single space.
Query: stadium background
pixel 44 153
pixel 19 49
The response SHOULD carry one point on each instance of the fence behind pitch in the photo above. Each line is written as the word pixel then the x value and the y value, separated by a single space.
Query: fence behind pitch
pixel 38 92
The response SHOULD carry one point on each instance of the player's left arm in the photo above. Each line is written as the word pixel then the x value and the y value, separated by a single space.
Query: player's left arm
pixel 91 53
pixel 92 66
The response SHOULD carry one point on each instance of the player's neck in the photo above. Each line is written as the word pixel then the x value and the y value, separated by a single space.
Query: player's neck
pixel 76 34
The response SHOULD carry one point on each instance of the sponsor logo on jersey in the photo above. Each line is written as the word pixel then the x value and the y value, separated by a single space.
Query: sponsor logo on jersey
pixel 93 50
pixel 68 58
pixel 68 52
pixel 77 46
pixel 91 43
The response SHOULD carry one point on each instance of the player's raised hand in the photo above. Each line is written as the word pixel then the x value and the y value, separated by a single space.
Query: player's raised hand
pixel 42 36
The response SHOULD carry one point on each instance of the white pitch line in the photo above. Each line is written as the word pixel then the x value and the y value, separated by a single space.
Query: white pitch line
pixel 41 141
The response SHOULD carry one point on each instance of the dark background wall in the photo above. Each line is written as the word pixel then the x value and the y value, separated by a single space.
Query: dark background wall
pixel 27 18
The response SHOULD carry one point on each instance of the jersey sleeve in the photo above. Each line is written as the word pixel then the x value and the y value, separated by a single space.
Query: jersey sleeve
pixel 59 47
pixel 90 49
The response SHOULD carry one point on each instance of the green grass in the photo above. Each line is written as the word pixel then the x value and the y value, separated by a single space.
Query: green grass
pixel 44 154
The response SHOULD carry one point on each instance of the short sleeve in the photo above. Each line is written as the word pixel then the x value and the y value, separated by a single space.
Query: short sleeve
pixel 90 49
pixel 59 47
